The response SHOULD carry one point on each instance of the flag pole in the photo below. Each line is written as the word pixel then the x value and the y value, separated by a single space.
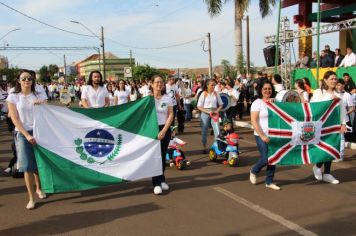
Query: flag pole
pixel 276 56
pixel 318 45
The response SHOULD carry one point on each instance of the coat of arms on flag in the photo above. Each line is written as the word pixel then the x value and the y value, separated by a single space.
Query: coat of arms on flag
pixel 303 133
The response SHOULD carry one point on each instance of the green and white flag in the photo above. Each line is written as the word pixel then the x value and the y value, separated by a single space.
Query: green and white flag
pixel 303 133
pixel 81 148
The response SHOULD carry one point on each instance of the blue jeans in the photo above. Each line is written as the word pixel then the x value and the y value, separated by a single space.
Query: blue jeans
pixel 205 120
pixel 263 161
pixel 188 112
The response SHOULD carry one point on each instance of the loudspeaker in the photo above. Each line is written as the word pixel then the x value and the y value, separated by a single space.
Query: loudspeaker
pixel 269 53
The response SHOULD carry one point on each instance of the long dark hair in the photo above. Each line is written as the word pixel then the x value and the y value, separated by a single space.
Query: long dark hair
pixel 112 88
pixel 327 74
pixel 300 84
pixel 33 77
pixel 90 80
pixel 134 88
pixel 118 85
pixel 259 88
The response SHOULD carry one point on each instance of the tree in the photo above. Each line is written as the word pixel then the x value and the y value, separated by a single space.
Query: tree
pixel 44 74
pixel 53 69
pixel 10 74
pixel 240 7
pixel 146 72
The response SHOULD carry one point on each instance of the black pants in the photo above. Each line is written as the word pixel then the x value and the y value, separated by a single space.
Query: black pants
pixel 157 180
pixel 327 166
pixel 240 109
pixel 231 113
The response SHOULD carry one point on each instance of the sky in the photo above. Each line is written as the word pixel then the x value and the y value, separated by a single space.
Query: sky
pixel 134 24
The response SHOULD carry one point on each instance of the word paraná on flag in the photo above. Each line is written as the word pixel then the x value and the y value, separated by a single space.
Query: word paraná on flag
pixel 80 149
pixel 303 133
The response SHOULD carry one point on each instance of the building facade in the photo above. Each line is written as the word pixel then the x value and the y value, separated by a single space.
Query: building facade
pixel 114 66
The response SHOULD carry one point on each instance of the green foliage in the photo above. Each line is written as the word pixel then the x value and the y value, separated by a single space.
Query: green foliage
pixel 44 74
pixel 53 69
pixel 140 72
pixel 10 73
pixel 228 68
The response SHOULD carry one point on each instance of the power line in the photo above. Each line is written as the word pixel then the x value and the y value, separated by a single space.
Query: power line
pixel 157 48
pixel 44 23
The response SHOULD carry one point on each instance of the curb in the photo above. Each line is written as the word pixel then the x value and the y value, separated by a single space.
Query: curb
pixel 350 145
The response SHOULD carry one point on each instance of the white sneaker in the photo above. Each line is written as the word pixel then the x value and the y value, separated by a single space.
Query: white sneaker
pixel 157 190
pixel 7 170
pixel 253 178
pixel 330 179
pixel 317 173
pixel 30 205
pixel 164 186
pixel 188 163
pixel 338 160
pixel 273 186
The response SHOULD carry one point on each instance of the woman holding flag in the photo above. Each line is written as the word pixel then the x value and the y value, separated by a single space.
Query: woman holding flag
pixel 20 103
pixel 259 120
pixel 326 92
pixel 164 110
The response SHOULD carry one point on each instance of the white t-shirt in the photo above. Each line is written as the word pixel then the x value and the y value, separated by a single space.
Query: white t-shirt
pixel 24 105
pixel 144 91
pixel 188 94
pixel 133 97
pixel 278 87
pixel 41 92
pixel 304 94
pixel 347 100
pixel 260 106
pixel 232 93
pixel 111 99
pixel 322 95
pixel 171 91
pixel 162 108
pixel 121 96
pixel 95 98
pixel 209 101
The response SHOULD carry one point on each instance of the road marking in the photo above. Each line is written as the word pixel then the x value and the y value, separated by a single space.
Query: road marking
pixel 277 218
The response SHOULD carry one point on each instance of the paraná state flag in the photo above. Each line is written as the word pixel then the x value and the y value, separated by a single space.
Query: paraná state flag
pixel 303 133
pixel 81 148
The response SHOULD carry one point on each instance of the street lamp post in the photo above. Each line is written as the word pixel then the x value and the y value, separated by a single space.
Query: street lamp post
pixel 9 33
pixel 102 45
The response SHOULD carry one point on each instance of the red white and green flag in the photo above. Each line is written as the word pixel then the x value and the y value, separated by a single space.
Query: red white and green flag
pixel 303 133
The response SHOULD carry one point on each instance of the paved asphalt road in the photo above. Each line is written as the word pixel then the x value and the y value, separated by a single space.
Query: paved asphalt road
pixel 206 199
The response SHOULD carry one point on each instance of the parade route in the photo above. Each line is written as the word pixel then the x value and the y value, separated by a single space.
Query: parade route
pixel 208 198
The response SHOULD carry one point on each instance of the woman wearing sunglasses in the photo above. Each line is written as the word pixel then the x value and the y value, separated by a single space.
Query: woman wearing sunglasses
pixel 20 103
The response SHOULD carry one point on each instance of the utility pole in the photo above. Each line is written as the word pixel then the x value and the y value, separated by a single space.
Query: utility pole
pixel 130 57
pixel 248 44
pixel 103 50
pixel 210 60
pixel 65 68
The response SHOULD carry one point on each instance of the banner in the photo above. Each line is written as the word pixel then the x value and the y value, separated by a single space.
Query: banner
pixel 303 133
pixel 87 148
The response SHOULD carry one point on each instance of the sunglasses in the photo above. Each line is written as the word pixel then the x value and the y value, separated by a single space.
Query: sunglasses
pixel 26 78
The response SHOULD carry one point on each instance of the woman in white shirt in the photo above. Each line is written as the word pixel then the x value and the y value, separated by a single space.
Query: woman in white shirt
pixel 210 104
pixel 20 103
pixel 300 89
pixel 110 88
pixel 326 92
pixel 122 95
pixel 134 94
pixel 259 121
pixel 164 110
